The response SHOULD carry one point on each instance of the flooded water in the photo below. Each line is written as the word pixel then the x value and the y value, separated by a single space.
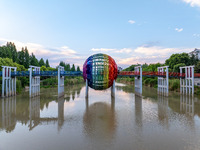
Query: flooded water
pixel 125 122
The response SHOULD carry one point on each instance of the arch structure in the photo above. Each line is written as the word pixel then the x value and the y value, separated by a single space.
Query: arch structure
pixel 138 80
pixel 187 80
pixel 163 81
pixel 34 81
pixel 60 81
pixel 8 82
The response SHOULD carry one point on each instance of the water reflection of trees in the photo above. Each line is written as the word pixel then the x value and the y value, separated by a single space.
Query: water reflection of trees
pixel 27 111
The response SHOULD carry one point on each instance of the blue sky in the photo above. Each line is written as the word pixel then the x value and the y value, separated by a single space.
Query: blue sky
pixel 130 31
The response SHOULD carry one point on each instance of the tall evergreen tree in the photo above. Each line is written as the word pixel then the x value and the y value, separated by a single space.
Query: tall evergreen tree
pixel 21 57
pixel 41 62
pixel 26 58
pixel 47 63
pixel 33 60
pixel 13 50
pixel 73 68
pixel 78 68
pixel 68 67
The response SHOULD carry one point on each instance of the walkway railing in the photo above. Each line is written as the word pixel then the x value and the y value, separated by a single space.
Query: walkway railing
pixel 156 74
pixel 44 73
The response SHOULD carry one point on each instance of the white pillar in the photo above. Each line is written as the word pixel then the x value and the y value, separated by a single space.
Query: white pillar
pixel 34 81
pixel 86 88
pixel 187 84
pixel 138 80
pixel 113 89
pixel 163 82
pixel 60 81
pixel 7 81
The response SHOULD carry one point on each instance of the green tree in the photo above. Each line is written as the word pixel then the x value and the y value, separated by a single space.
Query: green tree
pixel 176 67
pixel 33 60
pixel 41 62
pixel 78 68
pixel 47 63
pixel 73 68
pixel 21 57
pixel 43 68
pixel 197 67
pixel 26 58
pixel 177 59
pixel 13 50
pixel 67 67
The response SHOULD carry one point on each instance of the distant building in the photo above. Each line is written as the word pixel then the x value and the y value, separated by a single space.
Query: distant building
pixel 119 69
pixel 196 53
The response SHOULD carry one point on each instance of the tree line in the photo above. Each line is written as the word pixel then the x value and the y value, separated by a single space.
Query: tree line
pixel 174 62
pixel 23 58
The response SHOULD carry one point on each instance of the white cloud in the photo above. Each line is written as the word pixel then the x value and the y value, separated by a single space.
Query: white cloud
pixel 102 49
pixel 54 55
pixel 131 21
pixel 193 3
pixel 123 50
pixel 196 35
pixel 179 29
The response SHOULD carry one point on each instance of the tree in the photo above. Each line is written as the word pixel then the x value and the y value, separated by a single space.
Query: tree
pixel 13 50
pixel 177 59
pixel 41 62
pixel 78 68
pixel 176 67
pixel 197 67
pixel 73 68
pixel 43 68
pixel 26 58
pixel 21 57
pixel 47 63
pixel 67 67
pixel 33 60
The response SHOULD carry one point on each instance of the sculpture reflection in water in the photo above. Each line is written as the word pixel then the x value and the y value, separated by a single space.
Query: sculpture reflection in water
pixel 61 116
pixel 187 105
pixel 100 121
pixel 163 115
pixel 8 113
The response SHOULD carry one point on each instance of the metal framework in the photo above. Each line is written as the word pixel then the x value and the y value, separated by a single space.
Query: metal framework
pixel 138 80
pixel 60 81
pixel 34 81
pixel 8 82
pixel 163 80
pixel 187 80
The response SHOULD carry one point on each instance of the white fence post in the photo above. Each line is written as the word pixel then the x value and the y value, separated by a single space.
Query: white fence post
pixel 60 81
pixel 187 81
pixel 34 81
pixel 138 80
pixel 8 83
pixel 163 82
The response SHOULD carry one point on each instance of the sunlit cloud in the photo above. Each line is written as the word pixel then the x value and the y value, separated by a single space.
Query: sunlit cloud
pixel 193 3
pixel 179 29
pixel 131 21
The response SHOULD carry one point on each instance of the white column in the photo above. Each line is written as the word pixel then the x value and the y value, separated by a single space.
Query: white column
pixel 86 89
pixel 3 81
pixel 163 83
pixel 138 80
pixel 187 84
pixel 34 81
pixel 113 89
pixel 60 82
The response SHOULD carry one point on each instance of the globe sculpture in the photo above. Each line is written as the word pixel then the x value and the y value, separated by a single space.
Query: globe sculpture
pixel 100 70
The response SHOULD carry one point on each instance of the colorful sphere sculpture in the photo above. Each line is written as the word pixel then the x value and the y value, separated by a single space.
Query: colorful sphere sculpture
pixel 100 70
